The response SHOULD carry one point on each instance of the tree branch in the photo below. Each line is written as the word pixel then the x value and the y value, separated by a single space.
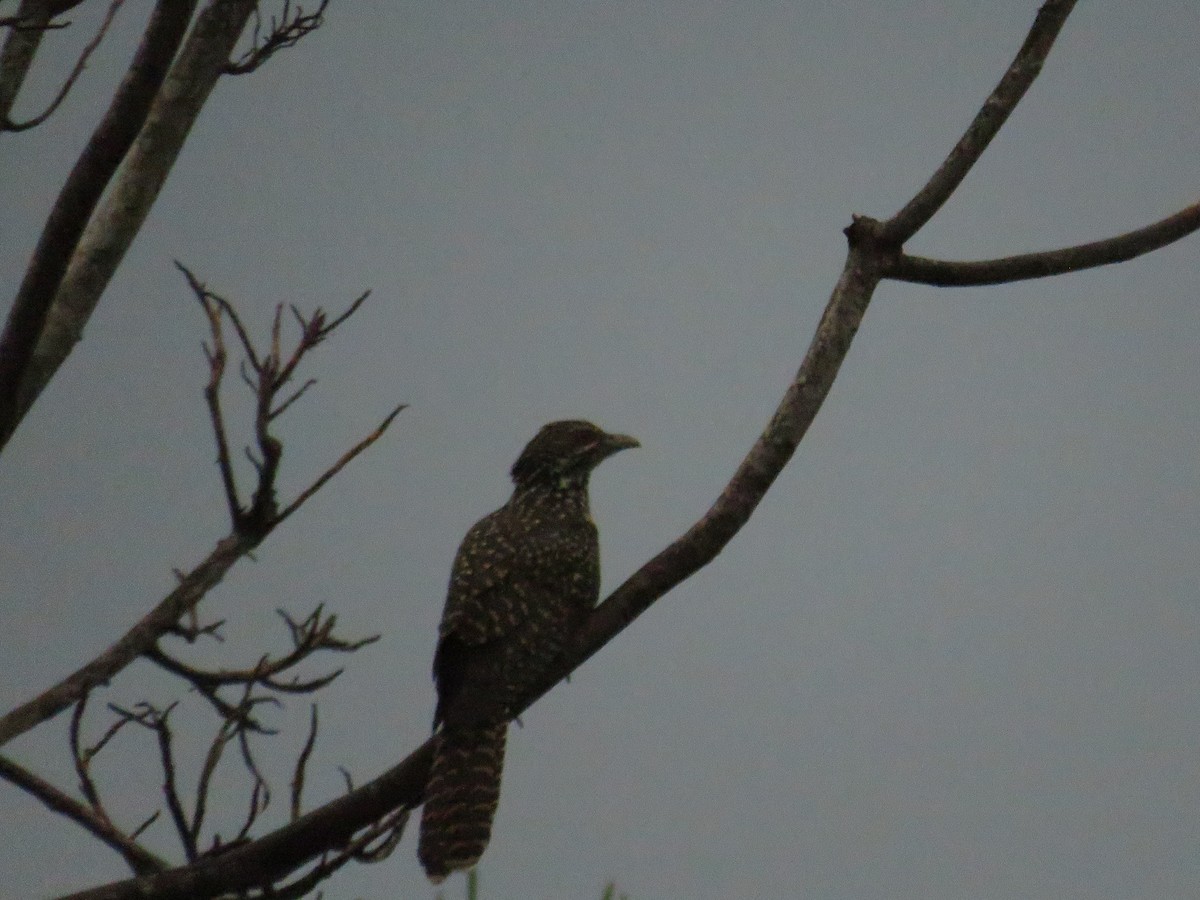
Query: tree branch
pixel 6 124
pixel 78 198
pixel 346 457
pixel 217 358
pixel 25 36
pixel 284 850
pixel 132 192
pixel 872 255
pixel 335 824
pixel 946 273
pixel 286 31
pixel 309 637
pixel 987 122
pixel 873 246
pixel 140 860
pixel 192 587
pixel 250 528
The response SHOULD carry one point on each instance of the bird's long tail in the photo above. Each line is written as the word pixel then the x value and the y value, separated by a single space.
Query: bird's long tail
pixel 461 798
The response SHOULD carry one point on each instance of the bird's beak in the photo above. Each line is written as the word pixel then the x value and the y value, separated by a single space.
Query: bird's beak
pixel 618 442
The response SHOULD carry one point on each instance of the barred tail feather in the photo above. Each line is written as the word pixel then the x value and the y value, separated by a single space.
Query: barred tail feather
pixel 461 798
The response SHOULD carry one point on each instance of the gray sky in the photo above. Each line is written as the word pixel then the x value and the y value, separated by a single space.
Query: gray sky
pixel 954 654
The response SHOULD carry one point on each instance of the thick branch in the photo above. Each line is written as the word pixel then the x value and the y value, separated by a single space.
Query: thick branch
pixel 988 121
pixel 87 181
pixel 946 273
pixel 126 204
pixel 139 859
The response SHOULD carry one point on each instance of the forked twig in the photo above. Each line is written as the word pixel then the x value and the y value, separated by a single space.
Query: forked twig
pixel 286 31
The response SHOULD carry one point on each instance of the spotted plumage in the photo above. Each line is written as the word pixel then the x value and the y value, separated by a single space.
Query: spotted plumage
pixel 523 581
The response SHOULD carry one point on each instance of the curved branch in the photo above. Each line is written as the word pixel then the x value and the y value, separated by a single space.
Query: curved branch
pixel 32 20
pixel 992 115
pixel 947 273
pixel 6 124
pixel 78 198
pixel 766 459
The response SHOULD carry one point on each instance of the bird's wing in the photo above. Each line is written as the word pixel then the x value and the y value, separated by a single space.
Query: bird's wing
pixel 486 599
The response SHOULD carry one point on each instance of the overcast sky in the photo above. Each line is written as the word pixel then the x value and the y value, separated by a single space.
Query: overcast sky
pixel 953 655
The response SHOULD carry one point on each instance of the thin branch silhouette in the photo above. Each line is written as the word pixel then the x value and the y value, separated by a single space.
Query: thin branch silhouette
pixel 252 522
pixel 1122 247
pixel 80 64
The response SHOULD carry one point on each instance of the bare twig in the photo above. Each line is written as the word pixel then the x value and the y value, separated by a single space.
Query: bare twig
pixel 302 763
pixel 266 374
pixel 283 407
pixel 146 823
pixel 216 749
pixel 260 797
pixel 26 29
pixel 192 630
pixel 326 328
pixel 158 721
pixel 349 455
pixel 250 526
pixel 217 357
pixel 946 273
pixel 140 860
pixel 8 125
pixel 286 31
pixel 189 828
pixel 312 635
pixel 987 123
pixel 83 757
pixel 222 306
pixel 207 683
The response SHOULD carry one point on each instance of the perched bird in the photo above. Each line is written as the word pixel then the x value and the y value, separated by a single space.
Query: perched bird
pixel 523 581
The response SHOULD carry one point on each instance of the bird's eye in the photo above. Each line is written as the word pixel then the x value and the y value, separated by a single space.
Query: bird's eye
pixel 584 438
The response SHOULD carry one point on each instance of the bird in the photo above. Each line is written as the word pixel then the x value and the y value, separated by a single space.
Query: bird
pixel 523 582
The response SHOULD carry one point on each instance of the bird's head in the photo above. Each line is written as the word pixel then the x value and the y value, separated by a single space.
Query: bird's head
pixel 565 452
